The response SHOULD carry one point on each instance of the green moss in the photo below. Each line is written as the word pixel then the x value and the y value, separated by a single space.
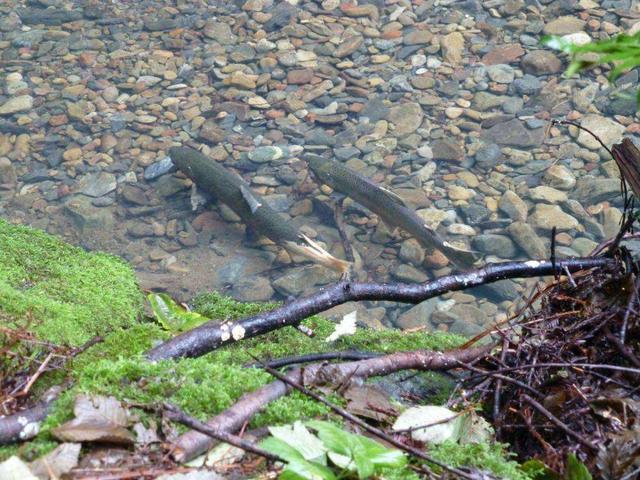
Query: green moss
pixel 493 458
pixel 62 293
pixel 207 385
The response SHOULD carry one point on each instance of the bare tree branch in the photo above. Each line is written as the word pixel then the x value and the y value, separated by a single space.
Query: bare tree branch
pixel 25 425
pixel 175 414
pixel 213 334
pixel 192 444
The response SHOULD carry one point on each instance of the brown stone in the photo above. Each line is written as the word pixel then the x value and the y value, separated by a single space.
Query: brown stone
pixel 299 77
pixel 504 54
pixel 57 120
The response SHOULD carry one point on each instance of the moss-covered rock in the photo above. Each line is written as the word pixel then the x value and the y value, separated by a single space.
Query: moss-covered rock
pixel 64 294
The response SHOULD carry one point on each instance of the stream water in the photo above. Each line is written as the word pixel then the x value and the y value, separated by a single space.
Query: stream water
pixel 447 103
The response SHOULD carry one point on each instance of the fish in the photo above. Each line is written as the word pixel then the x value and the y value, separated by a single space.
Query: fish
pixel 230 189
pixel 386 204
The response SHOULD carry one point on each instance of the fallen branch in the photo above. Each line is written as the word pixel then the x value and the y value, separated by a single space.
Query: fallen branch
pixel 365 426
pixel 315 357
pixel 173 413
pixel 25 424
pixel 192 444
pixel 213 334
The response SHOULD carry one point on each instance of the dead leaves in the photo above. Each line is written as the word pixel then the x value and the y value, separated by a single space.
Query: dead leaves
pixel 98 419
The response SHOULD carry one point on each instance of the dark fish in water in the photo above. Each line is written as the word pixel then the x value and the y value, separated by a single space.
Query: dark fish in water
pixel 230 189
pixel 386 204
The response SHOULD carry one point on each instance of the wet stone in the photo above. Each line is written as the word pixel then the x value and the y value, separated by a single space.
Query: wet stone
pixel 541 62
pixel 488 156
pixel 97 184
pixel 447 149
pixel 546 217
pixel 266 154
pixel 527 239
pixel 17 104
pixel 159 168
pixel 590 190
pixel 87 217
pixel 220 32
pixel 511 204
pixel 514 133
pixel 406 117
pixel 491 244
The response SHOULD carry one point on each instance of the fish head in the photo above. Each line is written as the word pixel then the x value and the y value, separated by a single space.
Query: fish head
pixel 178 156
pixel 319 165
pixel 187 160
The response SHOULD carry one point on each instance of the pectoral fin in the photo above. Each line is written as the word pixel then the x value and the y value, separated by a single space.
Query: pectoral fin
pixel 394 197
pixel 251 200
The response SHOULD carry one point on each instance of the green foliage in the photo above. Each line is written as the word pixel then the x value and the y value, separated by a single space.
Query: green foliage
pixel 173 317
pixel 62 293
pixel 576 470
pixel 622 50
pixel 491 457
pixel 351 455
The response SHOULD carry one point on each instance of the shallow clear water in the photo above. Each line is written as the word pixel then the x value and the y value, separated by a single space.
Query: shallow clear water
pixel 447 103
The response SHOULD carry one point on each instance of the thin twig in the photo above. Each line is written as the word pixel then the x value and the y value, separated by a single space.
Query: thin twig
pixel 316 357
pixel 213 335
pixel 374 431
pixel 177 415
pixel 558 423
pixel 560 365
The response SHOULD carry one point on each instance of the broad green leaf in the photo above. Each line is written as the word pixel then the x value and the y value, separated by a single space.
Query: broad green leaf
pixel 302 469
pixel 298 437
pixel 333 437
pixel 576 470
pixel 281 449
pixel 171 316
pixel 364 465
pixel 342 461
pixel 379 454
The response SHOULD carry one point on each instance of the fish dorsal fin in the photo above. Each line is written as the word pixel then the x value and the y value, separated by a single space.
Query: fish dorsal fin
pixel 393 196
pixel 250 198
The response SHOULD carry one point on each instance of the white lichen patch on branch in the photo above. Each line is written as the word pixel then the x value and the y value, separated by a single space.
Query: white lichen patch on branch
pixel 29 429
pixel 237 332
pixel 225 333
pixel 533 263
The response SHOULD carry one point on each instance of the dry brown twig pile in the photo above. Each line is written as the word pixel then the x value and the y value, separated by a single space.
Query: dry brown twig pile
pixel 567 377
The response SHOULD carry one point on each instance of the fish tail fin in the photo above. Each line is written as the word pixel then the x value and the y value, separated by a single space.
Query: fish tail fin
pixel 315 252
pixel 462 258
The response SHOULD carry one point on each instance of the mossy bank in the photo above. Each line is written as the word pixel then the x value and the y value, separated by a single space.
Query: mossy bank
pixel 64 294
pixel 67 296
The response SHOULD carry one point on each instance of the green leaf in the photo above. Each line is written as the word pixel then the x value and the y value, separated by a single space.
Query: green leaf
pixel 303 470
pixel 379 454
pixel 298 437
pixel 576 470
pixel 538 470
pixel 281 449
pixel 171 316
pixel 364 465
pixel 333 437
